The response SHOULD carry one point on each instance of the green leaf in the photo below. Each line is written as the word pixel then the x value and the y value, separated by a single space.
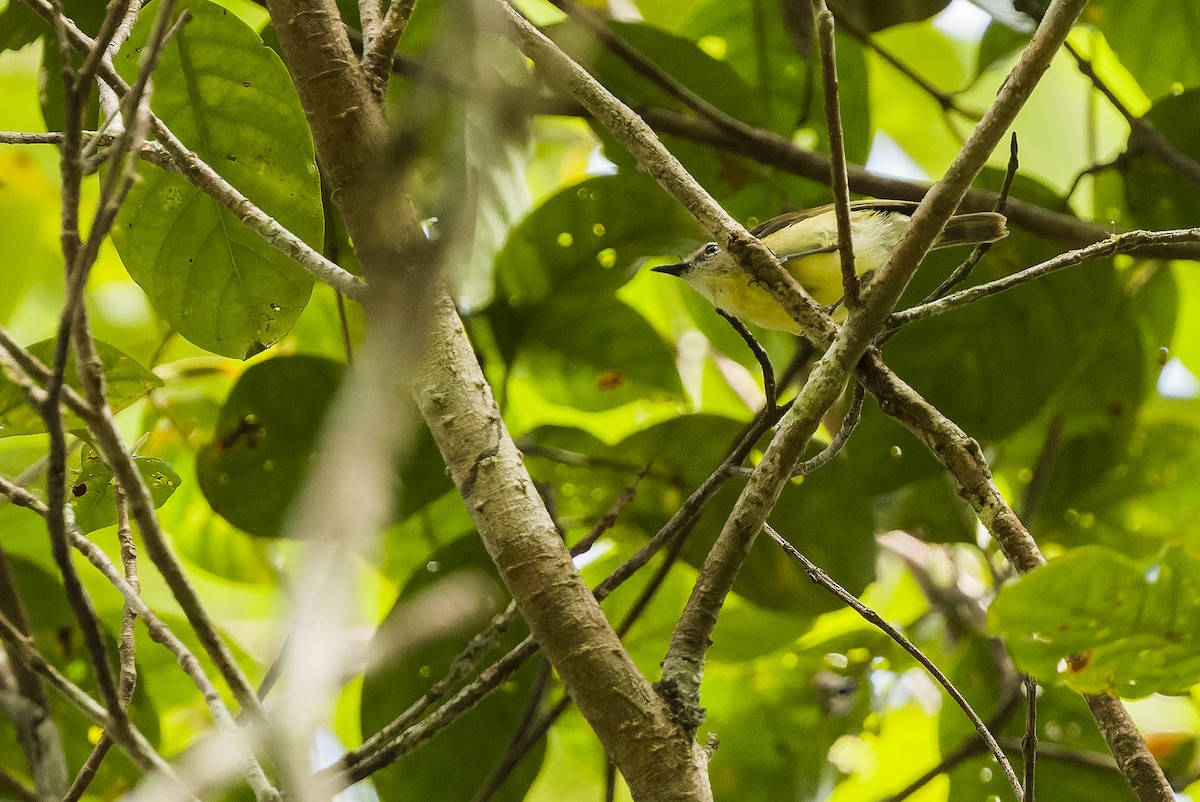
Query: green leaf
pixel 1154 40
pixel 1147 498
pixel 681 453
pixel 264 440
pixel 229 98
pixel 588 240
pixel 392 685
pixel 126 380
pixel 999 42
pixel 1115 625
pixel 871 16
pixel 93 489
pixel 1158 196
pixel 595 356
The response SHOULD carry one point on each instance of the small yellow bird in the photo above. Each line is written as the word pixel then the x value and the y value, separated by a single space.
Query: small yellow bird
pixel 806 242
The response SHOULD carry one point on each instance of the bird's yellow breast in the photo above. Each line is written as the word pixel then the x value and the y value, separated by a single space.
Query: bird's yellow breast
pixel 739 295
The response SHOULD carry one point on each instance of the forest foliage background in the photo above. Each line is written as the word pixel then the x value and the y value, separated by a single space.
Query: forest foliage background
pixel 1081 387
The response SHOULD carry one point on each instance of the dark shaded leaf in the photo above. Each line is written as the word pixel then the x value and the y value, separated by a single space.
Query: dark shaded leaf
pixel 475 743
pixel 264 440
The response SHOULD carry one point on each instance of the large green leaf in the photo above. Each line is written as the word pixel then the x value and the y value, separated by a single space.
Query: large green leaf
pixel 588 240
pixel 1158 196
pixel 1116 625
pixel 475 743
pixel 264 440
pixel 229 98
pixel 1146 498
pixel 126 380
pixel 595 356
pixel 554 317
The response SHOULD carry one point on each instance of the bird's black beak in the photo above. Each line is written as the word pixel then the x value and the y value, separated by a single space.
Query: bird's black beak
pixel 676 269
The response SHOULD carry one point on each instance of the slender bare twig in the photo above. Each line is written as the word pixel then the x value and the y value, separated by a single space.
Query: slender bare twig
pixel 126 647
pixel 128 737
pixel 825 581
pixel 1029 743
pixel 760 354
pixel 17 788
pixel 115 455
pixel 35 726
pixel 1118 243
pixel 838 180
pixel 944 99
pixel 971 746
pixel 1142 130
pixel 58 518
pixel 396 739
pixel 963 271
pixel 158 630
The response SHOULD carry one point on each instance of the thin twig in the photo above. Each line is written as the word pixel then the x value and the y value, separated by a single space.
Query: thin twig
pixel 1029 743
pixel 970 747
pixel 825 581
pixel 963 271
pixel 835 446
pixel 760 354
pixel 158 630
pixel 1141 129
pixel 849 422
pixel 58 519
pixel 126 648
pixel 838 180
pixel 397 738
pixel 1128 242
pixel 128 737
pixel 944 99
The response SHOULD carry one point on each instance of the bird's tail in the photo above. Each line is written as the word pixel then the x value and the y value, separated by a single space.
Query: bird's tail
pixel 972 229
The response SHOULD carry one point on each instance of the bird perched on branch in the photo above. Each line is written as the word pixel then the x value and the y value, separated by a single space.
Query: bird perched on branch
pixel 806 243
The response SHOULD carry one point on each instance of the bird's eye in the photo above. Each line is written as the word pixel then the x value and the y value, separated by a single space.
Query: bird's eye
pixel 711 249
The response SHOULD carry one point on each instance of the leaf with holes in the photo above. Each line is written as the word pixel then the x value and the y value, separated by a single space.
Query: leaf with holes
pixel 126 381
pixel 264 440
pixel 92 490
pixel 228 98
pixel 1115 625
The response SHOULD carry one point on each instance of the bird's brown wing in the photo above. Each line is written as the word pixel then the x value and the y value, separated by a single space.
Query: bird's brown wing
pixel 789 218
